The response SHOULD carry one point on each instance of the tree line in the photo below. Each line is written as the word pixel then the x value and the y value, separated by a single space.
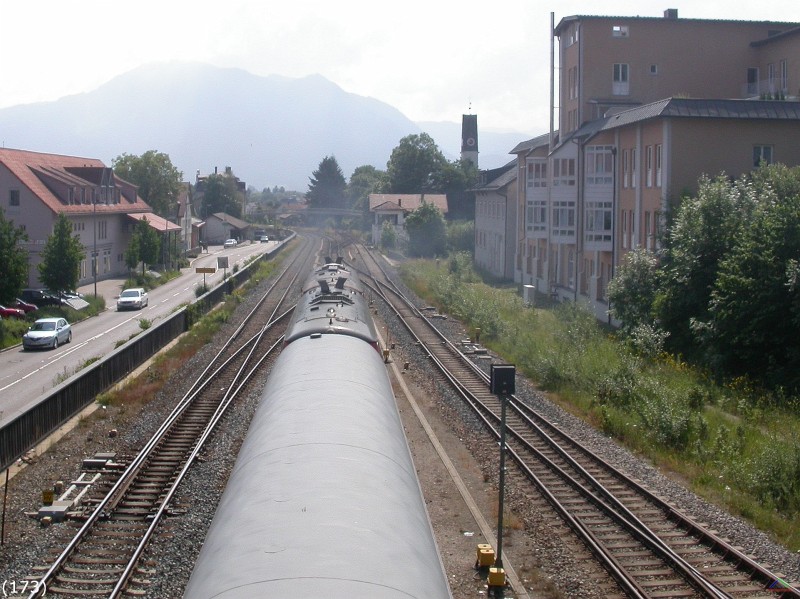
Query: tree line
pixel 724 290
pixel 416 165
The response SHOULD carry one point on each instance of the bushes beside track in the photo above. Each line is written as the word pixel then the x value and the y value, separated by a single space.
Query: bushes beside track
pixel 736 444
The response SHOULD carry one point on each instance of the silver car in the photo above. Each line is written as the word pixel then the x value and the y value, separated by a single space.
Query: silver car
pixel 47 332
pixel 132 298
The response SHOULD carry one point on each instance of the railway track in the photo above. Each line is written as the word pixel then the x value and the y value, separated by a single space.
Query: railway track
pixel 101 559
pixel 646 545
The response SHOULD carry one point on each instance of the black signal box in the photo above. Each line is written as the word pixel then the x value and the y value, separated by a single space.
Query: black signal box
pixel 502 379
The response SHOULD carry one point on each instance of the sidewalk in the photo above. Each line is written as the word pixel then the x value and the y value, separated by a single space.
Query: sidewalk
pixel 108 289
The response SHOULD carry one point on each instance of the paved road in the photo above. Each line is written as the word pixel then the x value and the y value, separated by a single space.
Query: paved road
pixel 27 376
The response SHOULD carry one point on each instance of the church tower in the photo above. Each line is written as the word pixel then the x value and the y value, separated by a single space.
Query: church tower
pixel 469 138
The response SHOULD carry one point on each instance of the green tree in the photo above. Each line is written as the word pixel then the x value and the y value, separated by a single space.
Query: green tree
pixel 461 236
pixel 148 244
pixel 158 180
pixel 364 181
pixel 753 322
pixel 426 231
pixel 703 231
pixel 220 194
pixel 13 259
pixel 132 251
pixel 456 179
pixel 632 291
pixel 61 258
pixel 326 188
pixel 416 165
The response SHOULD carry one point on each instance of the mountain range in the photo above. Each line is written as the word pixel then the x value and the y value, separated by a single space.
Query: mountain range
pixel 270 130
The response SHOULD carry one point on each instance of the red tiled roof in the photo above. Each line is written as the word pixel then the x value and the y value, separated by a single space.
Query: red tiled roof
pixel 24 165
pixel 408 202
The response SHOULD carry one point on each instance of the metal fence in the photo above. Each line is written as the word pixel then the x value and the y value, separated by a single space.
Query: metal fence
pixel 70 397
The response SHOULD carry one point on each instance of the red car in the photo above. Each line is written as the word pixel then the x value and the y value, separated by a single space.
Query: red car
pixel 24 306
pixel 11 312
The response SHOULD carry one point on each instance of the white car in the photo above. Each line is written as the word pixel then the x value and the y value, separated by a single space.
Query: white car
pixel 230 243
pixel 47 332
pixel 135 297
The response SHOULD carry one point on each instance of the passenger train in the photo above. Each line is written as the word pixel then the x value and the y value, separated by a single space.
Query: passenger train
pixel 323 501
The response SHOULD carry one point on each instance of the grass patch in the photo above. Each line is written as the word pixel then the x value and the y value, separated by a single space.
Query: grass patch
pixel 734 444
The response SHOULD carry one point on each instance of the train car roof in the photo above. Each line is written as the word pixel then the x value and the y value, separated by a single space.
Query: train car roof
pixel 323 500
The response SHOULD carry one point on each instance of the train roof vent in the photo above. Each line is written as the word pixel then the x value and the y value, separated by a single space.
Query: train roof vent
pixel 340 282
pixel 336 298
pixel 323 285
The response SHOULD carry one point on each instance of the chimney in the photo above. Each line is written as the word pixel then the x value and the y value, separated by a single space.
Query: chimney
pixel 671 13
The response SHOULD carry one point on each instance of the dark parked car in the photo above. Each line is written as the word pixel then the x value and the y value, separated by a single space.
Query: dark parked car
pixel 40 297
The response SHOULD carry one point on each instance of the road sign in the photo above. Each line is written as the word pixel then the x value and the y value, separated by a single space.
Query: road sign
pixel 205 270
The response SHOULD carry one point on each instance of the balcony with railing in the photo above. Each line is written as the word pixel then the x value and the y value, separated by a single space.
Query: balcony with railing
pixel 767 88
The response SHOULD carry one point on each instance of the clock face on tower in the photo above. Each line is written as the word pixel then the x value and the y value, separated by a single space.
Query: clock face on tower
pixel 470 141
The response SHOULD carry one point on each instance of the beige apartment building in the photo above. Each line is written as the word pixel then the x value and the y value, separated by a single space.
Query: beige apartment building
pixel 646 107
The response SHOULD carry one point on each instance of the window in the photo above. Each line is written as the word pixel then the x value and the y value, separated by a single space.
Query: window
pixel 563 171
pixel 539 215
pixel 762 154
pixel 619 31
pixel 572 78
pixel 572 35
pixel 659 160
pixel 784 74
pixel 634 174
pixel 102 230
pixel 771 78
pixel 625 170
pixel 599 165
pixel 598 221
pixel 537 174
pixel 620 84
pixel 625 228
pixel 563 218
pixel 648 161
pixel 654 69
pixel 752 81
pixel 13 198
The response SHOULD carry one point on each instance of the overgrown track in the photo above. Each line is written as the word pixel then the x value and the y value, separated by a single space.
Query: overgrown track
pixel 101 559
pixel 647 546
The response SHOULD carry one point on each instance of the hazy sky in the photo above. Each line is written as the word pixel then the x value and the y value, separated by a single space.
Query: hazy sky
pixel 431 59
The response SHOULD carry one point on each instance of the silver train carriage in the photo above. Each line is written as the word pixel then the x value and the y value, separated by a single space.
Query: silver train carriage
pixel 323 501
pixel 332 301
